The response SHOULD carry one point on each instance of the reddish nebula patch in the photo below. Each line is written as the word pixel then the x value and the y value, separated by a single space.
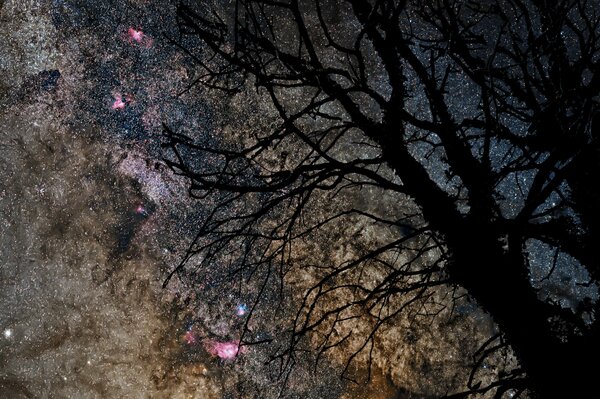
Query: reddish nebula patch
pixel 241 310
pixel 189 337
pixel 137 36
pixel 223 350
pixel 140 210
pixel 119 102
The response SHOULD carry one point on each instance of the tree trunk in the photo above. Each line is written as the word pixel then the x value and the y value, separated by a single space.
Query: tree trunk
pixel 498 280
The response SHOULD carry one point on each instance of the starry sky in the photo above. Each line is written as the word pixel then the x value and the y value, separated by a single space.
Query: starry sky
pixel 92 221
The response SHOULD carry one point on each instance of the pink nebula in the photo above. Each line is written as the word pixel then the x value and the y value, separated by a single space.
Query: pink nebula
pixel 189 337
pixel 136 35
pixel 224 350
pixel 118 103
pixel 241 310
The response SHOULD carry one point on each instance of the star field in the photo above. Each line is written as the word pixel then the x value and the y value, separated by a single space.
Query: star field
pixel 94 225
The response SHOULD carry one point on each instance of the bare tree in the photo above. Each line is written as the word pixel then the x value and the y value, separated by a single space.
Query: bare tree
pixel 485 114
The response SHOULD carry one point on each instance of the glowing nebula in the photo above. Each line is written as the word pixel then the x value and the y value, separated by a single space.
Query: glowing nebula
pixel 241 310
pixel 189 337
pixel 136 35
pixel 223 350
pixel 119 102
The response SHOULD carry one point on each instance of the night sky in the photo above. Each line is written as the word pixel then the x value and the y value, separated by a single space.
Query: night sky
pixel 92 221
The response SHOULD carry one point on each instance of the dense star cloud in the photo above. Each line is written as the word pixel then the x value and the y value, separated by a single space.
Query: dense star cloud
pixel 207 199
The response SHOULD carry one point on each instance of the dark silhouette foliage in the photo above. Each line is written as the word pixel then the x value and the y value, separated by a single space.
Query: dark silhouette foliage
pixel 485 115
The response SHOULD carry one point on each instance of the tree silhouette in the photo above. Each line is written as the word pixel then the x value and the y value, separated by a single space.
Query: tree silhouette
pixel 484 115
